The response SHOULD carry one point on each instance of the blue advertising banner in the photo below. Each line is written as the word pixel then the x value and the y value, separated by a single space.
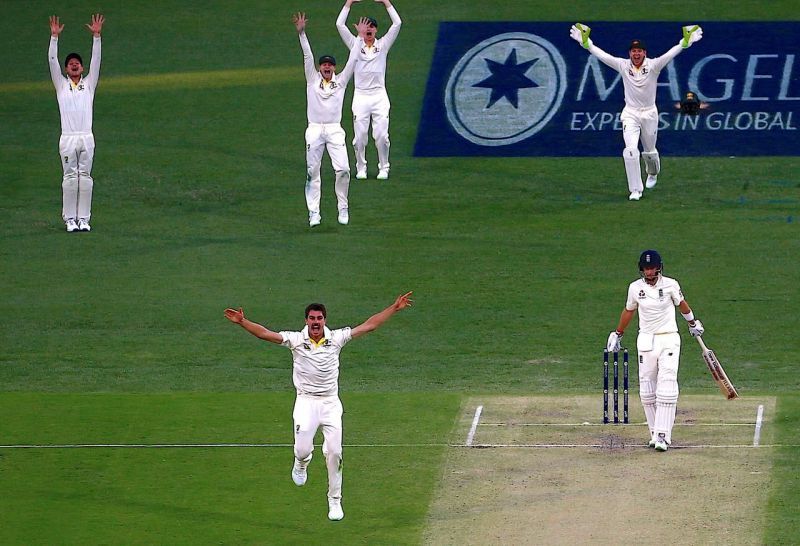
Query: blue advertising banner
pixel 528 89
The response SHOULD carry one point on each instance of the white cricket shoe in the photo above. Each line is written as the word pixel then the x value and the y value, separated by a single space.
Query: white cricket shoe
pixel 71 225
pixel 651 443
pixel 635 196
pixel 661 444
pixel 383 174
pixel 335 512
pixel 652 180
pixel 299 472
pixel 344 216
pixel 314 219
pixel 83 225
pixel 361 175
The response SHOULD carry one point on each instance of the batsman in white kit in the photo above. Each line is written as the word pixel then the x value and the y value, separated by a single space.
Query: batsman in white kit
pixel 640 115
pixel 315 365
pixel 75 96
pixel 324 97
pixel 658 343
pixel 370 99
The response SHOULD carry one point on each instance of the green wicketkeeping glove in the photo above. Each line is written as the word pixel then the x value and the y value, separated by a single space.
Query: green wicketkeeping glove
pixel 691 34
pixel 580 33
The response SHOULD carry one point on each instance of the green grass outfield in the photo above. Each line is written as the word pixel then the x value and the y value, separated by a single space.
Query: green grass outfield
pixel 519 268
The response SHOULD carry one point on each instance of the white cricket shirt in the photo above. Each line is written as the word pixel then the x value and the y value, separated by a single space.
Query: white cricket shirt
pixel 656 304
pixel 639 83
pixel 371 63
pixel 75 102
pixel 315 368
pixel 324 99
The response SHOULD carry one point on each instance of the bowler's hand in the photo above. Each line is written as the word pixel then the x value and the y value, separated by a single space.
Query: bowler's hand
pixel 403 301
pixel 234 315
pixel 299 20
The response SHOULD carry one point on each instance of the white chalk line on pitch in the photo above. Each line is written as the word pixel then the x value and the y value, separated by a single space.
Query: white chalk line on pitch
pixel 429 445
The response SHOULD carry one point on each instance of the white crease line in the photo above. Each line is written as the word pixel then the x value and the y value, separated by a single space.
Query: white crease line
pixel 471 434
pixel 182 446
pixel 759 420
pixel 607 424
pixel 623 446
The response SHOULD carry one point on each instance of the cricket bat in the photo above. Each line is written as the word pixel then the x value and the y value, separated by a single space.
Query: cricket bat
pixel 717 372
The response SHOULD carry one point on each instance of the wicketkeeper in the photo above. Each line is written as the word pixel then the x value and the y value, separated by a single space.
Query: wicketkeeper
pixel 658 343
pixel 640 116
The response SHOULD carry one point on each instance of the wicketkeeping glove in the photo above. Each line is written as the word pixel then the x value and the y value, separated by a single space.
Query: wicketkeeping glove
pixel 613 342
pixel 697 329
pixel 580 33
pixel 691 34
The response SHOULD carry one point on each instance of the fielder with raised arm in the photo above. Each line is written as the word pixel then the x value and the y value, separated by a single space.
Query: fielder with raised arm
pixel 75 96
pixel 324 97
pixel 370 99
pixel 658 343
pixel 315 365
pixel 640 116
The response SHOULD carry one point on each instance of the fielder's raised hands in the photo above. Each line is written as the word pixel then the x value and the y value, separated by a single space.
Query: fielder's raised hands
pixel 691 34
pixel 55 26
pixel 96 25
pixel 299 20
pixel 580 33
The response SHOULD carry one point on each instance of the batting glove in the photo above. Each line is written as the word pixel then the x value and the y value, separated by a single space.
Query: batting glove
pixel 697 329
pixel 691 34
pixel 580 33
pixel 613 342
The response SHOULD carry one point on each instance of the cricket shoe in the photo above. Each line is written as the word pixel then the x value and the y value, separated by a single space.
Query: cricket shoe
pixel 71 225
pixel 300 472
pixel 344 216
pixel 383 174
pixel 314 219
pixel 83 225
pixel 652 180
pixel 635 196
pixel 661 443
pixel 651 443
pixel 335 512
pixel 361 175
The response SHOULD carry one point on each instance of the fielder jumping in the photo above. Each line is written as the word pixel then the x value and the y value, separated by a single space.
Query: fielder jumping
pixel 325 97
pixel 370 100
pixel 658 343
pixel 75 96
pixel 315 363
pixel 640 116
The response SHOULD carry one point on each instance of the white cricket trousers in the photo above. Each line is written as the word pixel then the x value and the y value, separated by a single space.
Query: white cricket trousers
pixel 659 358
pixel 371 105
pixel 77 155
pixel 319 137
pixel 310 413
pixel 638 124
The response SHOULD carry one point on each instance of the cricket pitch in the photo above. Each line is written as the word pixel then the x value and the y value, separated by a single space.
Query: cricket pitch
pixel 545 470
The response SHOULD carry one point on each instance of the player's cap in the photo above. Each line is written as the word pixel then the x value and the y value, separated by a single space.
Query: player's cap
pixel 327 59
pixel 371 21
pixel 72 56
pixel 637 44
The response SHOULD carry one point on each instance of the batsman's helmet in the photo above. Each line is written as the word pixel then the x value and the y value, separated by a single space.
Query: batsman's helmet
pixel 650 258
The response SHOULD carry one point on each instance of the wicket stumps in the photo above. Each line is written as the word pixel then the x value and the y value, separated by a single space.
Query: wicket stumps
pixel 616 386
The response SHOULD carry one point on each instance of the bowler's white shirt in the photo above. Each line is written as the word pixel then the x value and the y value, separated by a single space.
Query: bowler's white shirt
pixel 75 101
pixel 324 99
pixel 316 366
pixel 371 63
pixel 639 83
pixel 656 304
